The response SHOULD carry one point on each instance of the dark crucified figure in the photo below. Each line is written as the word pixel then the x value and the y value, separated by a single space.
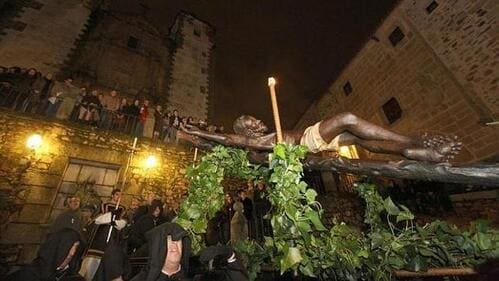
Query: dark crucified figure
pixel 331 133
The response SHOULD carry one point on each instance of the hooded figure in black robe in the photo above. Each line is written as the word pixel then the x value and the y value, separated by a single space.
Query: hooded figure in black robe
pixel 114 263
pixel 138 230
pixel 158 249
pixel 50 258
pixel 222 265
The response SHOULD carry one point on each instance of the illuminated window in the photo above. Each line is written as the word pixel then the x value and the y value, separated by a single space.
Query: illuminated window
pixel 102 177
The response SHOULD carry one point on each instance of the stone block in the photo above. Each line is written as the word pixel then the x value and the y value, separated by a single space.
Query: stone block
pixel 41 179
pixel 28 253
pixel 40 195
pixel 20 233
pixel 33 213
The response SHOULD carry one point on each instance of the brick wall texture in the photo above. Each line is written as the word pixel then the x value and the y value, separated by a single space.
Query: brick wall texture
pixel 443 73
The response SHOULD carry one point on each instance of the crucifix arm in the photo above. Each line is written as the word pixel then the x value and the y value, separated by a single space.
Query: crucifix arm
pixel 230 139
pixel 222 139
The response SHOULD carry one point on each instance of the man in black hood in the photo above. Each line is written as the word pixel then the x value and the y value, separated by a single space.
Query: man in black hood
pixel 169 249
pixel 58 259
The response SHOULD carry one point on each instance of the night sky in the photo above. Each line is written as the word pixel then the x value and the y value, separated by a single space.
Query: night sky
pixel 304 44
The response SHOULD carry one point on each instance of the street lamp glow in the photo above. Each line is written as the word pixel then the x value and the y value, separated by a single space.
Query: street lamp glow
pixel 34 142
pixel 151 162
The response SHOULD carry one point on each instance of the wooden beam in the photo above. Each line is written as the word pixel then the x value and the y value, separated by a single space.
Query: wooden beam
pixel 477 174
pixel 432 272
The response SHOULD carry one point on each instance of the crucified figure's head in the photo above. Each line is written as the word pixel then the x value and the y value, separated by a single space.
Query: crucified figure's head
pixel 249 126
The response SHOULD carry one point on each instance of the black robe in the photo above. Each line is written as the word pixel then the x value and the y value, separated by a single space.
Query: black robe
pixel 68 219
pixel 157 248
pixel 51 255
pixel 231 272
pixel 114 263
pixel 139 229
pixel 222 270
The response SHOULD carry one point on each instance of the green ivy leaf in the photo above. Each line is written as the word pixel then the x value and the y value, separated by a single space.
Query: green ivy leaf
pixel 310 194
pixel 291 257
pixel 390 207
pixel 405 215
pixel 313 216
pixel 304 227
pixel 280 151
pixel 483 241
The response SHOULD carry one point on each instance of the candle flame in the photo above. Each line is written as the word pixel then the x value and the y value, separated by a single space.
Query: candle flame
pixel 272 81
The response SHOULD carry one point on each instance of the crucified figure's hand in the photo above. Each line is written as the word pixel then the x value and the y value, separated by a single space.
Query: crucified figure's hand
pixel 188 128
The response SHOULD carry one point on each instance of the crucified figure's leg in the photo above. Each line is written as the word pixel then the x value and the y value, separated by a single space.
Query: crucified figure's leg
pixel 354 130
pixel 398 148
pixel 347 122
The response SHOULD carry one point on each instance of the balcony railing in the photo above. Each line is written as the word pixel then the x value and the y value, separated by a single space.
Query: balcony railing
pixel 28 103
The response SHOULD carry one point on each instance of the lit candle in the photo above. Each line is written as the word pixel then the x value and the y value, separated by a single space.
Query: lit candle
pixel 275 109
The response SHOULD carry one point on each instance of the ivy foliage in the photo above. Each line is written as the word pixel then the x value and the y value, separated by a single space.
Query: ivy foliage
pixel 300 241
pixel 206 193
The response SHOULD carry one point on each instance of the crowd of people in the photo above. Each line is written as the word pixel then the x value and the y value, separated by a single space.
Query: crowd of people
pixel 27 90
pixel 243 217
pixel 105 246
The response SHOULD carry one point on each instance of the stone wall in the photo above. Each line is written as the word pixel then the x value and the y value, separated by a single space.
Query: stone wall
pixel 124 52
pixel 63 143
pixel 189 88
pixel 45 35
pixel 443 74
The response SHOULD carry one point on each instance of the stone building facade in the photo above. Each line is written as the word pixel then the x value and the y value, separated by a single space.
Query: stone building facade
pixel 106 49
pixel 70 158
pixel 42 33
pixel 431 66
pixel 125 52
pixel 191 60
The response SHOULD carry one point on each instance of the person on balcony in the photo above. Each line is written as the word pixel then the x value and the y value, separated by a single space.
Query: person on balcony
pixel 131 112
pixel 142 118
pixel 25 88
pixel 158 122
pixel 67 93
pixel 89 109
pixel 42 87
pixel 110 106
pixel 119 121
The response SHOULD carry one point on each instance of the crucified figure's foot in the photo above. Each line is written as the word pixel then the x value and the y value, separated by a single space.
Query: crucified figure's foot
pixel 435 149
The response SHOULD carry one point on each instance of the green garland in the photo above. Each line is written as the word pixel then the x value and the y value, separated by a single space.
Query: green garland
pixel 206 193
pixel 301 243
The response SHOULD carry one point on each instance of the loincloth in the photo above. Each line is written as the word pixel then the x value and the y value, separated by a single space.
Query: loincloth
pixel 313 140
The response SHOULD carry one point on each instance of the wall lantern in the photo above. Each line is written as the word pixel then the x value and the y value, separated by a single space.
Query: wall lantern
pixel 34 142
pixel 151 162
